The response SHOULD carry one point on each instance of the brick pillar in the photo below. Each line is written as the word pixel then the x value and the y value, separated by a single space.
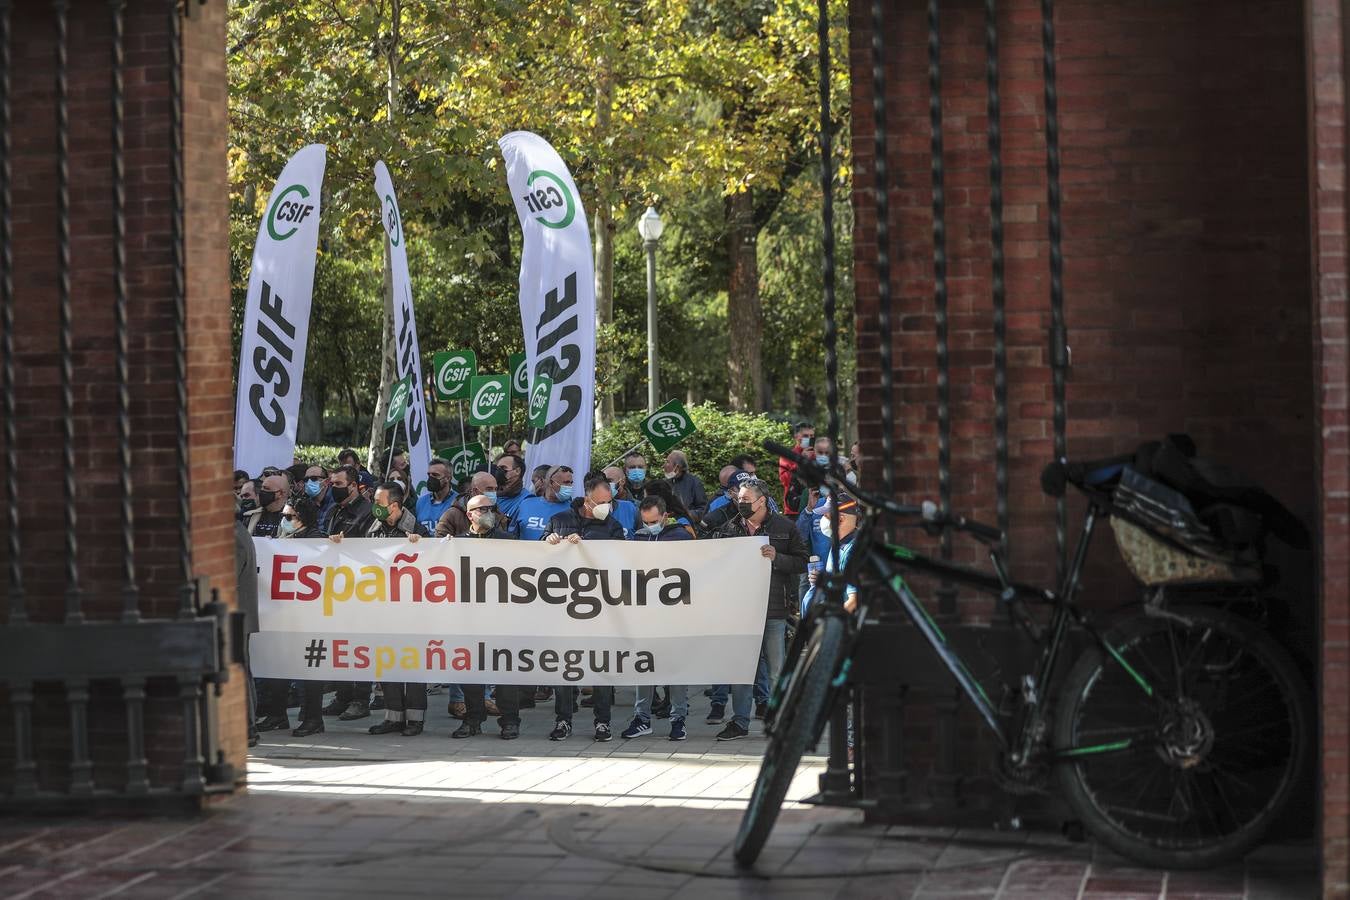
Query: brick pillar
pixel 1325 22
pixel 150 277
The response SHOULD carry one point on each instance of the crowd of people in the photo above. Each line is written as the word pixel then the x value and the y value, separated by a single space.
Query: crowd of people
pixel 552 504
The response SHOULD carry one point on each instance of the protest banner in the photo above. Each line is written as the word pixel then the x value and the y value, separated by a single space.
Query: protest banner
pixel 557 296
pixel 276 317
pixel 511 612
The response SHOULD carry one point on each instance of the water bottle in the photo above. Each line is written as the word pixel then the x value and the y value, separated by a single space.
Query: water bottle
pixel 813 565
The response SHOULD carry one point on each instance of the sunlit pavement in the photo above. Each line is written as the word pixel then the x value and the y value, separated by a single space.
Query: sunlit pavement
pixel 349 814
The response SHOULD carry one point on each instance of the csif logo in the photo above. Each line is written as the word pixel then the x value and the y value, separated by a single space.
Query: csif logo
pixel 462 464
pixel 548 197
pixel 452 374
pixel 391 220
pixel 289 208
pixel 487 400
pixel 539 400
pixel 667 424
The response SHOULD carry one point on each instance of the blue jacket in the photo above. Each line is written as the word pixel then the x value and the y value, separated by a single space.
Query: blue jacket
pixel 626 512
pixel 429 512
pixel 530 522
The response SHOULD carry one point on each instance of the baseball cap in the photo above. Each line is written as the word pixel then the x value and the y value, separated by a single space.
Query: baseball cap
pixel 847 505
pixel 737 479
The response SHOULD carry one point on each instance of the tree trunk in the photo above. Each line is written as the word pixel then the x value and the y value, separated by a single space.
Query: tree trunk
pixel 745 375
pixel 312 401
pixel 604 232
pixel 388 368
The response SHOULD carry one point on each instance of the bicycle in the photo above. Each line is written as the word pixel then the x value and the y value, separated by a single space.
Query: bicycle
pixel 1176 736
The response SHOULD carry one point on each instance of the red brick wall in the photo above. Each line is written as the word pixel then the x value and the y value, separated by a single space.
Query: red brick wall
pixel 1326 23
pixel 150 282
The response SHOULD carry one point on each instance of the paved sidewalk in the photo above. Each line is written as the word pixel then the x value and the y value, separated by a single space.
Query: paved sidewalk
pixel 348 814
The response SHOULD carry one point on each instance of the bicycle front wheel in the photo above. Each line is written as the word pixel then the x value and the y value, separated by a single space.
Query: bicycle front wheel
pixel 1185 747
pixel 801 697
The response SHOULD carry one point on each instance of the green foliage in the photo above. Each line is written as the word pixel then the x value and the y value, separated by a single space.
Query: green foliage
pixel 720 436
pixel 322 455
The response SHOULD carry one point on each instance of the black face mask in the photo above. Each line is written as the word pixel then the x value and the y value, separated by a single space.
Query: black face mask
pixel 434 484
pixel 339 493
pixel 746 509
pixel 267 498
pixel 248 505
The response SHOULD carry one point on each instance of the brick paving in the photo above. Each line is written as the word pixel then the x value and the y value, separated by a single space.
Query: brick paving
pixel 347 814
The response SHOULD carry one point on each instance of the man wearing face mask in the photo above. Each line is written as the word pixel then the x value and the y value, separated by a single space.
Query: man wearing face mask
pixel 787 553
pixel 405 703
pixel 588 519
pixel 248 502
pixel 848 526
pixel 635 474
pixel 455 521
pixel 349 517
pixel 265 521
pixel 438 497
pixel 302 521
pixel 485 524
pixel 687 486
pixel 534 513
pixel 316 488
pixel 240 479
pixel 625 510
pixel 510 485
pixel 655 527
pixel 803 438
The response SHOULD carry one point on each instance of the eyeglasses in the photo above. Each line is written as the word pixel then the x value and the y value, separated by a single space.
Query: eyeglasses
pixel 316 478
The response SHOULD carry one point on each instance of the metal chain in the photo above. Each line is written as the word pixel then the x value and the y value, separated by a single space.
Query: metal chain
pixel 1058 337
pixel 187 599
pixel 881 195
pixel 18 611
pixel 944 390
pixel 995 131
pixel 827 268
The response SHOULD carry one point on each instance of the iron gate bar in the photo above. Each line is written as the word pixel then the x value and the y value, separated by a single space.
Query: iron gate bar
pixel 881 189
pixel 81 766
pixel 74 614
pixel 995 132
pixel 25 766
pixel 187 593
pixel 130 592
pixel 1058 338
pixel 18 611
pixel 133 698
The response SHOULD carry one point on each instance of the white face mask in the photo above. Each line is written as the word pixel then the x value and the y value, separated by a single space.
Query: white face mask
pixel 825 527
pixel 601 511
pixel 851 477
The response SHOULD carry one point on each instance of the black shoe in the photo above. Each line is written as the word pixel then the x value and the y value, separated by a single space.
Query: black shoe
pixel 336 708
pixel 760 710
pixel 377 702
pixel 253 739
pixel 355 710
pixel 562 730
pixel 388 726
pixel 311 726
pixel 732 732
pixel 661 708
pixel 716 714
pixel 603 734
pixel 274 723
pixel 510 732
pixel 412 729
pixel 468 729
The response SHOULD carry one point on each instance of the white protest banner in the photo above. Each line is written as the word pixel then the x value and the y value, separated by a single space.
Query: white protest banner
pixel 511 612
pixel 405 330
pixel 557 296
pixel 276 317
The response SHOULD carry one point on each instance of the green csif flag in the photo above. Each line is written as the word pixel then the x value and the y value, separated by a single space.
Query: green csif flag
pixel 453 370
pixel 668 426
pixel 541 394
pixel 520 376
pixel 489 400
pixel 464 460
pixel 399 396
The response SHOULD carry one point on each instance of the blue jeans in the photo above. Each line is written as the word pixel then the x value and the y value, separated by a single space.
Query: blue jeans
pixel 774 650
pixel 679 701
pixel 455 693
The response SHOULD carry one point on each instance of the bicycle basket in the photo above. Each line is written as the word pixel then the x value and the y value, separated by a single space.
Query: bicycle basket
pixel 1155 562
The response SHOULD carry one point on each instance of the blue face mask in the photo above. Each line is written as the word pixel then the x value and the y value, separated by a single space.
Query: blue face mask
pixel 613 490
pixel 822 459
pixel 313 488
pixel 491 495
pixel 650 529
pixel 637 476
pixel 565 493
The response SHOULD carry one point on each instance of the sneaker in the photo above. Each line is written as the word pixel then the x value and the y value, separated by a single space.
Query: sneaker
pixel 677 732
pixel 308 727
pixel 388 726
pixel 510 732
pixel 639 727
pixel 716 714
pixel 355 710
pixel 661 708
pixel 562 730
pixel 468 729
pixel 335 708
pixel 603 734
pixel 760 710
pixel 274 723
pixel 377 702
pixel 732 732
pixel 434 689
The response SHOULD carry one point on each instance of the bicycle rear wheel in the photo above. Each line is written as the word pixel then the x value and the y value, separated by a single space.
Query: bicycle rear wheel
pixel 1191 771
pixel 802 694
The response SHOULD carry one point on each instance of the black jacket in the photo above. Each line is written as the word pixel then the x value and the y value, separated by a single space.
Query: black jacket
pixel 669 532
pixel 498 533
pixel 690 490
pixel 407 524
pixel 571 521
pixel 352 520
pixel 793 552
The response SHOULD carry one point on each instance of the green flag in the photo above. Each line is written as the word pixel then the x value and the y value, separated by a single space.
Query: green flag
pixel 453 369
pixel 463 460
pixel 399 395
pixel 489 400
pixel 520 376
pixel 668 426
pixel 540 397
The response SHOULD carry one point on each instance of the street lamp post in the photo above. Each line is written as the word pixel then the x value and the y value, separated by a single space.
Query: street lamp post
pixel 650 227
